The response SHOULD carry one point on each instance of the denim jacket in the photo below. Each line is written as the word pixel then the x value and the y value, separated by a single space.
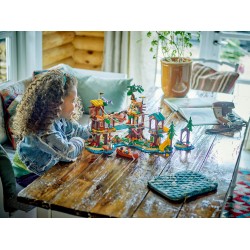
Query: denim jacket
pixel 63 142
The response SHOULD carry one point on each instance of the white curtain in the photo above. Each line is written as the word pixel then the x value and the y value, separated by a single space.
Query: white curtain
pixel 128 52
pixel 29 53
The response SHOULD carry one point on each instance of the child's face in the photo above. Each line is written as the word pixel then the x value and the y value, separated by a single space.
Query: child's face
pixel 69 104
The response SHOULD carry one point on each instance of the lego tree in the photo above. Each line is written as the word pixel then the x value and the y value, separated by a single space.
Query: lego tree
pixel 134 88
pixel 189 129
pixel 190 125
pixel 183 144
pixel 171 132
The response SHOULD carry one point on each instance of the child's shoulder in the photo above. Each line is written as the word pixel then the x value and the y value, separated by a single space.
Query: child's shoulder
pixel 57 125
pixel 68 123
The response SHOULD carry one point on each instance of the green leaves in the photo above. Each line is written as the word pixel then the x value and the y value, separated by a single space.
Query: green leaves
pixel 171 132
pixel 232 51
pixel 172 43
pixel 154 43
pixel 134 88
pixel 107 121
pixel 149 34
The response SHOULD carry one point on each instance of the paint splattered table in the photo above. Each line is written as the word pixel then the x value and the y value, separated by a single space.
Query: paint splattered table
pixel 101 186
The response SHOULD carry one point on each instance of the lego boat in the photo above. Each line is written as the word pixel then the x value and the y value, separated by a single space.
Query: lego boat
pixel 127 153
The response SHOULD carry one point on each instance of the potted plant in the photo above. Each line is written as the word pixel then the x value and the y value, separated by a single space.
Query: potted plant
pixel 176 64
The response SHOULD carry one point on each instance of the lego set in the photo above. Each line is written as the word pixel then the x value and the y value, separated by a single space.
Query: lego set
pixel 105 128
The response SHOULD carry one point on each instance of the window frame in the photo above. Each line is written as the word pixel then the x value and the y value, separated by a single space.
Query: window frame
pixel 211 43
pixel 11 56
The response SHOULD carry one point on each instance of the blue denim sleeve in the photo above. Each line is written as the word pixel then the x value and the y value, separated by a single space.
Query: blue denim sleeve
pixel 64 150
pixel 74 129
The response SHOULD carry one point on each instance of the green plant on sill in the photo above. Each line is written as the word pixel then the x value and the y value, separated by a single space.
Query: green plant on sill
pixel 232 51
pixel 174 44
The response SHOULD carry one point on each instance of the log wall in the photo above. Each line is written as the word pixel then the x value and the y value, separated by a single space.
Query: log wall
pixel 79 49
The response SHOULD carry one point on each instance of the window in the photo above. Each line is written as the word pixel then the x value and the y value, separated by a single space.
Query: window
pixel 3 71
pixel 8 57
pixel 227 46
pixel 235 48
pixel 232 47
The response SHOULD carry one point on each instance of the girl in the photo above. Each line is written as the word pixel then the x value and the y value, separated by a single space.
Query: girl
pixel 45 126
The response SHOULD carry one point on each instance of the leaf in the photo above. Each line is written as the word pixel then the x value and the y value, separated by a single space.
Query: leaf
pixel 107 121
pixel 149 34
pixel 129 92
pixel 154 43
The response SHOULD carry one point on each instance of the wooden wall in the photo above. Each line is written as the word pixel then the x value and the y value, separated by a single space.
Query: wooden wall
pixel 79 49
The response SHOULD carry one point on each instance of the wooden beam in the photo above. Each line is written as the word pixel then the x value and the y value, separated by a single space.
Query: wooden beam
pixel 88 57
pixel 56 39
pixel 89 43
pixel 90 33
pixel 48 32
pixel 88 66
pixel 56 54
pixel 69 61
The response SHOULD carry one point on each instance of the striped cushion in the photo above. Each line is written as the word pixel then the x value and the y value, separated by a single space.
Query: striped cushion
pixel 10 101
pixel 208 79
pixel 3 135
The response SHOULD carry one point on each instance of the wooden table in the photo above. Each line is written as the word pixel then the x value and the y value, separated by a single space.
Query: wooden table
pixel 100 186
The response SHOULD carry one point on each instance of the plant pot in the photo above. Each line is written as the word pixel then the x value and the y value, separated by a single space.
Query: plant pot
pixel 175 77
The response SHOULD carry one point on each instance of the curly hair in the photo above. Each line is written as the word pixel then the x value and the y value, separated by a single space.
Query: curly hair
pixel 41 103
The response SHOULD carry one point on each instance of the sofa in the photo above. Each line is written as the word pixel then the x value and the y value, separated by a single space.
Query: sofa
pixel 88 82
